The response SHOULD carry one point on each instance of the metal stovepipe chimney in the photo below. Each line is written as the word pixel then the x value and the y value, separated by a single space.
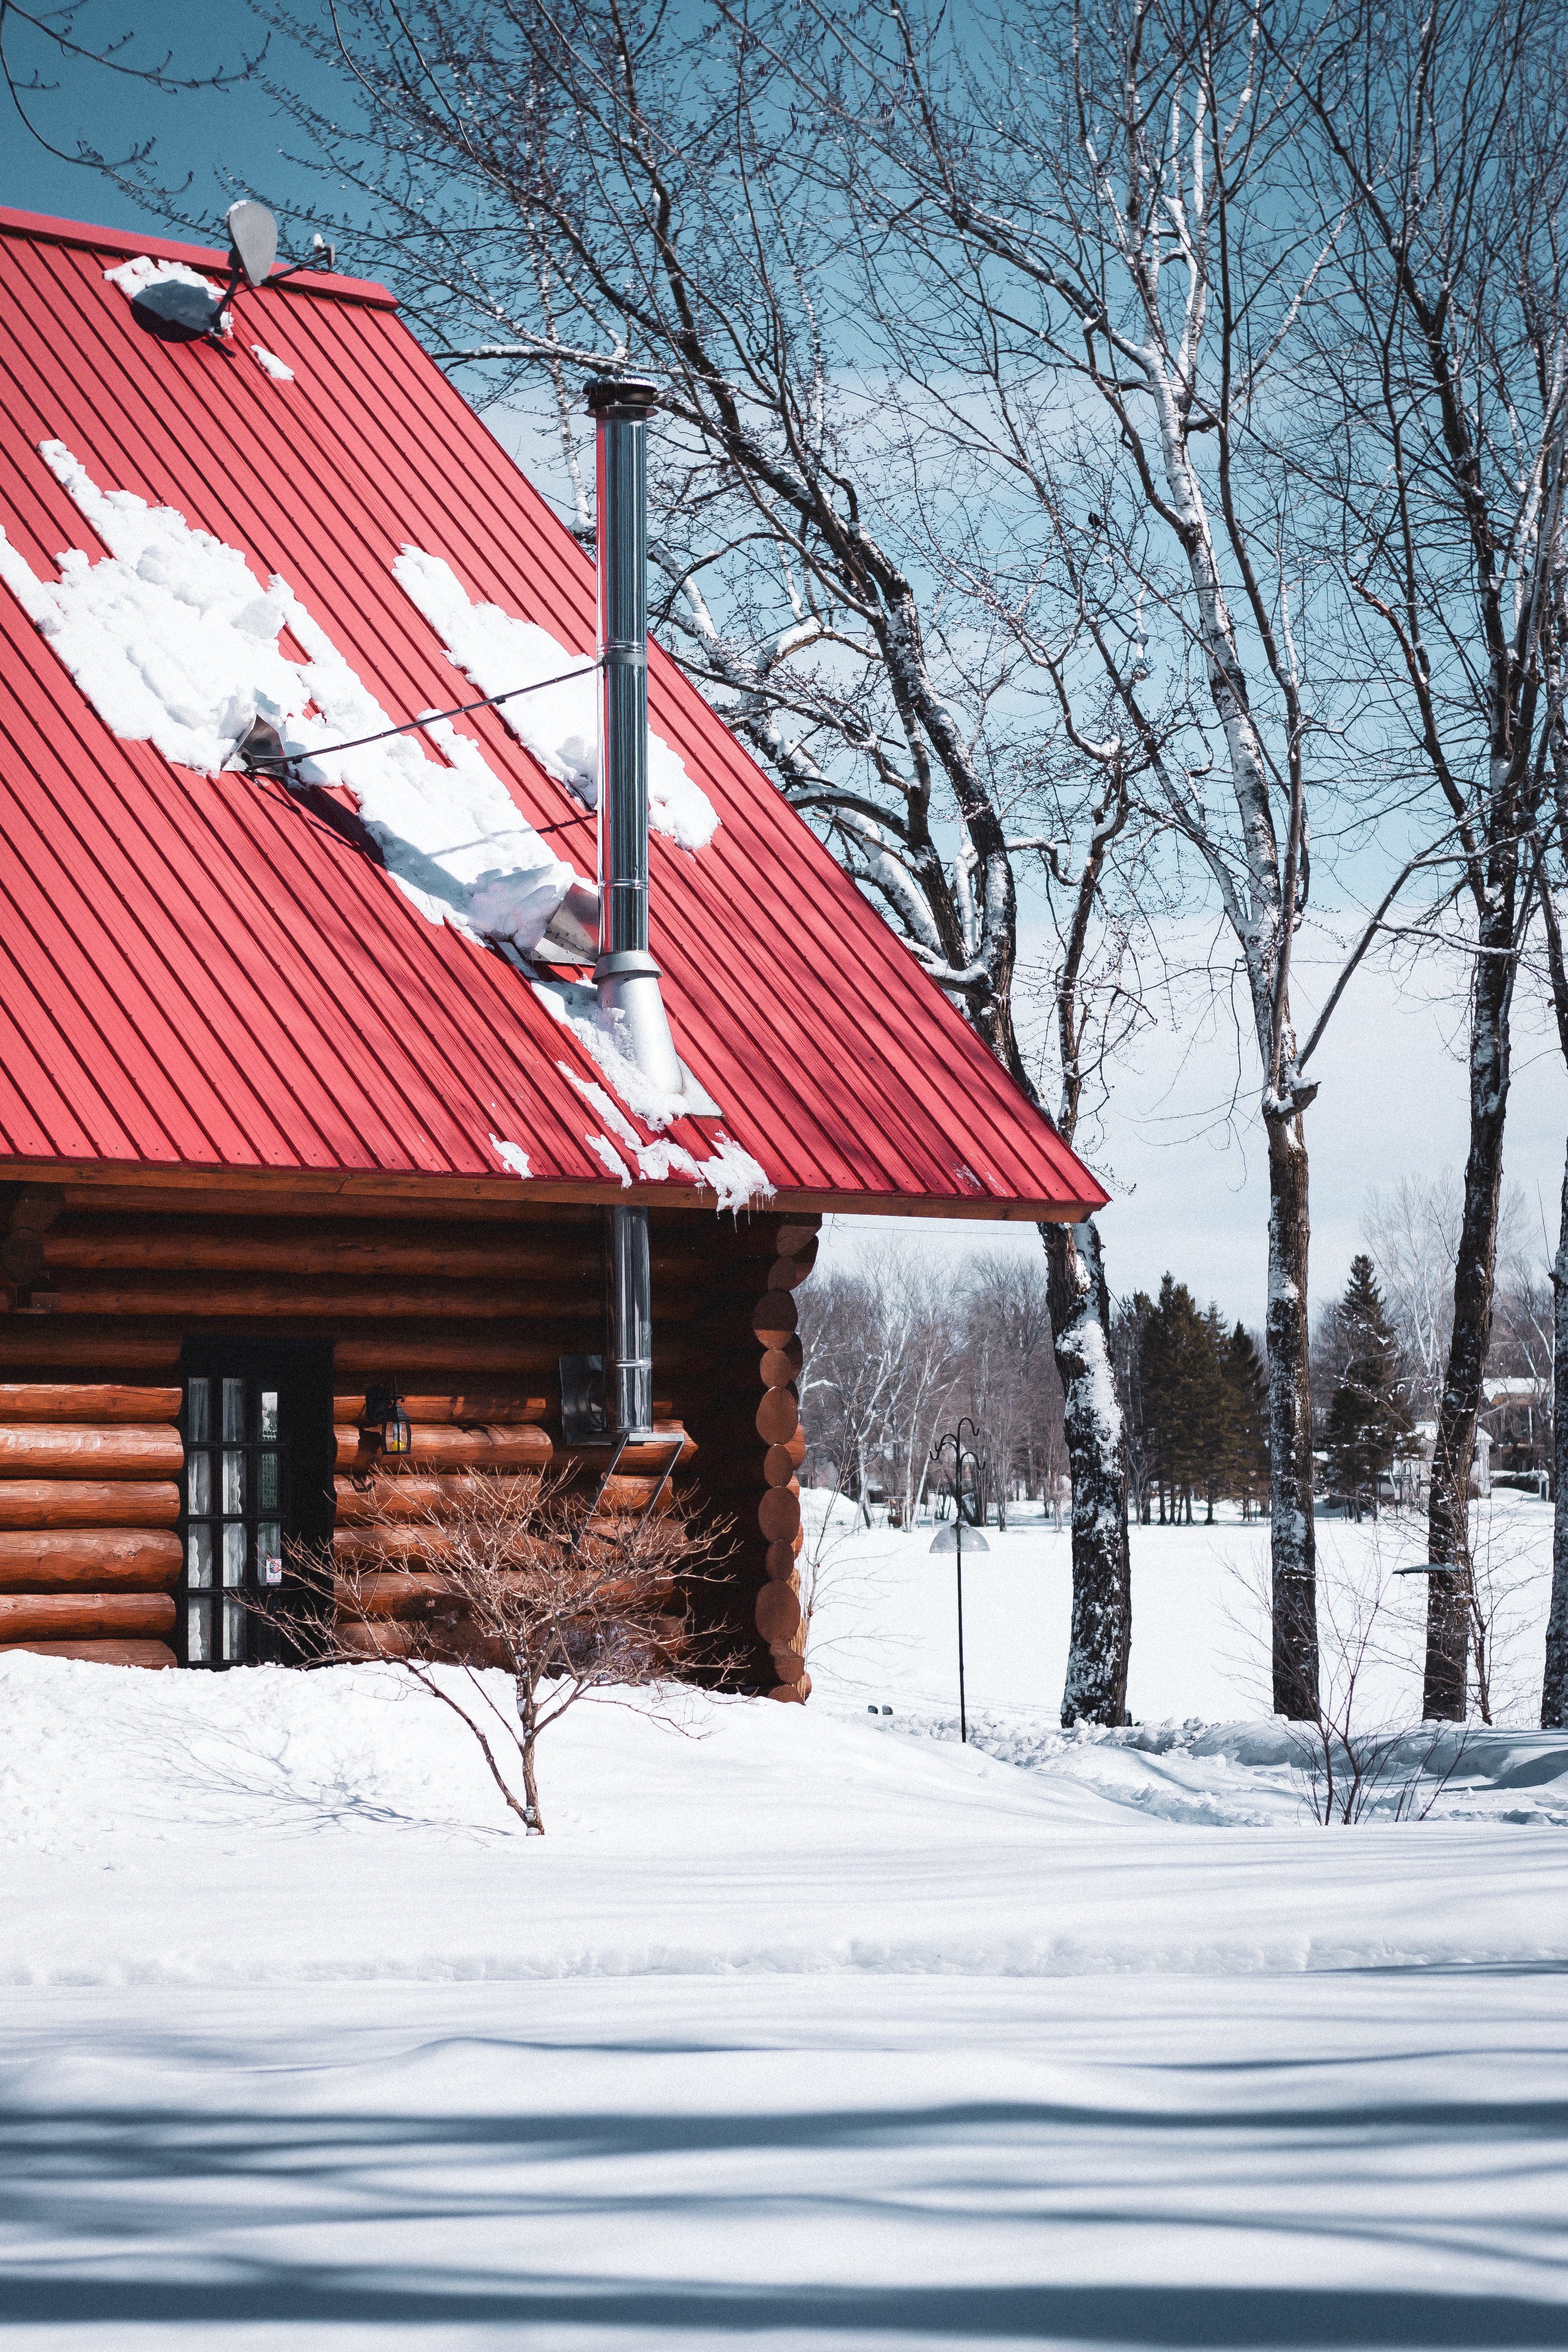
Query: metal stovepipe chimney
pixel 626 975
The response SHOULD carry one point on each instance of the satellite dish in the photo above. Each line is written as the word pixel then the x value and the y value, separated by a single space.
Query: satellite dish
pixel 253 233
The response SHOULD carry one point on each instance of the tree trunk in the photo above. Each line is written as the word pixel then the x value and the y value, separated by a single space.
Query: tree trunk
pixel 533 1819
pixel 1554 1689
pixel 1096 1687
pixel 1292 1537
pixel 1448 1509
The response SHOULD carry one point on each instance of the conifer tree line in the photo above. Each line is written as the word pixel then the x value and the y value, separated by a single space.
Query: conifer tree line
pixel 1196 1398
pixel 898 1350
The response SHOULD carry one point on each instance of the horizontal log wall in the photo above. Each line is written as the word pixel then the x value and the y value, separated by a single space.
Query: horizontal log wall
pixel 468 1315
pixel 89 1495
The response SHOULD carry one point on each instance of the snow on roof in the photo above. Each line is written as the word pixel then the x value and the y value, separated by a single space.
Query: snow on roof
pixel 205 970
pixel 171 643
pixel 560 725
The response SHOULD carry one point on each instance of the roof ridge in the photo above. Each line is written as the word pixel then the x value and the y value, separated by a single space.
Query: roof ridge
pixel 42 228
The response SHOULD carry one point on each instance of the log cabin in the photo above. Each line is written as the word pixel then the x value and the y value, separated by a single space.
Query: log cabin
pixel 391 1084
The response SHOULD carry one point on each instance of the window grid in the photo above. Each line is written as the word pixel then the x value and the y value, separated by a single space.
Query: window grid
pixel 234 1514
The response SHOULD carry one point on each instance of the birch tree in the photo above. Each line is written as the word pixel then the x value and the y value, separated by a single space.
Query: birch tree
pixel 1412 1230
pixel 882 1347
pixel 1103 199
pixel 1552 885
pixel 1442 140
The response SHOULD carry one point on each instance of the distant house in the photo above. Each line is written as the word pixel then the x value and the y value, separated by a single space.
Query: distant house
pixel 1411 1479
pixel 313 1114
pixel 1517 1415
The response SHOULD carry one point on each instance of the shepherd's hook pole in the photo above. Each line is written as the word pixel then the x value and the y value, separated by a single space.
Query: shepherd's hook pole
pixel 962 1718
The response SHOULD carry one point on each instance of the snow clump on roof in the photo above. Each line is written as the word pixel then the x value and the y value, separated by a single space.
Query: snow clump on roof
pixel 133 277
pixel 510 1155
pixel 274 366
pixel 610 1156
pixel 561 725
pixel 174 643
pixel 732 1174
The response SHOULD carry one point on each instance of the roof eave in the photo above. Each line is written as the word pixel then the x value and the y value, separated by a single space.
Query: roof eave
pixel 359 1187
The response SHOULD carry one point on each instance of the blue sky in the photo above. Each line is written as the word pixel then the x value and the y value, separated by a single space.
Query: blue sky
pixel 240 130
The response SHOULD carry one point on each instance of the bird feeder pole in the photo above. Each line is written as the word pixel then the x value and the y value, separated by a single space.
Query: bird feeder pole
pixel 960 1455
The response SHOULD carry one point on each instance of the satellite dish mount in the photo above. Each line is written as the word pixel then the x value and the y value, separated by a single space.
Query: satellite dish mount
pixel 253 252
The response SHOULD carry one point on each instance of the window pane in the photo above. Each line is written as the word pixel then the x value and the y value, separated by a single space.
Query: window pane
pixel 269 1553
pixel 199 1483
pixel 234 1555
pixel 234 1409
pixel 267 1482
pixel 199 1556
pixel 232 1630
pixel 198 1410
pixel 234 1482
pixel 269 1428
pixel 198 1642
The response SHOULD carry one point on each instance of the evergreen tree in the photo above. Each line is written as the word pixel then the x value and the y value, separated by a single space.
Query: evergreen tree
pixel 1184 1402
pixel 1222 1434
pixel 1368 1416
pixel 1247 1449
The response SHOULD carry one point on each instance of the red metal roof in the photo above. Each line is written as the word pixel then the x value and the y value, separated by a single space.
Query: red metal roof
pixel 196 974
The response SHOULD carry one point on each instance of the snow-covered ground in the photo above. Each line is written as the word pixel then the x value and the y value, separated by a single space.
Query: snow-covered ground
pixel 800 2027
pixel 886 1627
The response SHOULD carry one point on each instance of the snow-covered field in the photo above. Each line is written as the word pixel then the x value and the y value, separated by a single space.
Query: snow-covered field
pixel 800 2027
pixel 886 1628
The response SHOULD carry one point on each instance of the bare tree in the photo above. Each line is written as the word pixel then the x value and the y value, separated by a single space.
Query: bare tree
pixel 35 44
pixel 1354 1766
pixel 1007 1379
pixel 881 1349
pixel 512 1572
pixel 1440 140
pixel 1552 882
pixel 1106 203
pixel 1412 1231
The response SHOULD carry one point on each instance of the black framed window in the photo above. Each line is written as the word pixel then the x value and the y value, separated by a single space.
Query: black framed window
pixel 254 1415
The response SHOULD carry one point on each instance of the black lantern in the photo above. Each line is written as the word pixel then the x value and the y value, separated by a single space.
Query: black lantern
pixel 384 1409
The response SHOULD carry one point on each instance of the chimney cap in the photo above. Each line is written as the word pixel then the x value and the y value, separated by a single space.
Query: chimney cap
pixel 623 395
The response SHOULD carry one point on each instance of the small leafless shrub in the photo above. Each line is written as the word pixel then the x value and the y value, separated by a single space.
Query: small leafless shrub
pixel 1501 1579
pixel 512 1573
pixel 1354 1764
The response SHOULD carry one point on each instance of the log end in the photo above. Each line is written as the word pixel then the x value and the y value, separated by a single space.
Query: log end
pixel 777 1612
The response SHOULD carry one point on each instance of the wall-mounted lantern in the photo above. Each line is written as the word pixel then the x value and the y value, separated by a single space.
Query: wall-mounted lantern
pixel 384 1411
